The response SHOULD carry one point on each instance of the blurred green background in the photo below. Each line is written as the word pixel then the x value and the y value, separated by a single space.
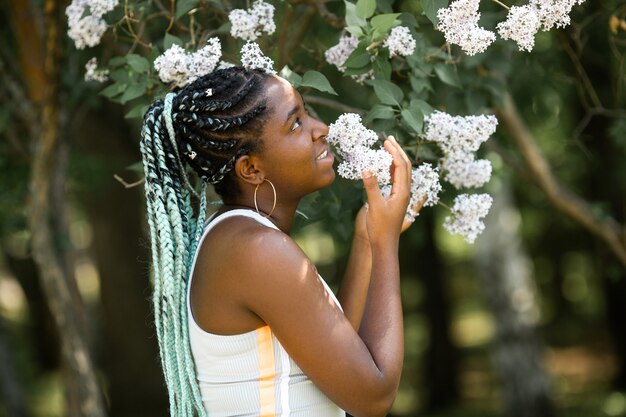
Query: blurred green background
pixel 538 303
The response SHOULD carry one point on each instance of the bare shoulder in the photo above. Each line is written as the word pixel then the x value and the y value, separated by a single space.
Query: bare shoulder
pixel 239 262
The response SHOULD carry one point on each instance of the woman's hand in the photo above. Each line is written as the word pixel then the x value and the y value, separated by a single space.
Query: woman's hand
pixel 360 224
pixel 384 218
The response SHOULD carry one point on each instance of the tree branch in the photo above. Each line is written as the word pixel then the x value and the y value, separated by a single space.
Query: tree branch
pixel 579 210
pixel 332 104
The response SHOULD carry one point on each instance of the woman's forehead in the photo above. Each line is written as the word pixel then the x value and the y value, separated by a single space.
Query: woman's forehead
pixel 281 95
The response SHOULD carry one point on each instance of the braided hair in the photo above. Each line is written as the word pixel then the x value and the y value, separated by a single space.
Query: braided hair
pixel 207 126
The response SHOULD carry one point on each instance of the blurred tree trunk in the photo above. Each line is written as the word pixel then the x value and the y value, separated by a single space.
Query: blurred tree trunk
pixel 54 270
pixel 442 356
pixel 11 388
pixel 121 252
pixel 42 328
pixel 420 255
pixel 506 278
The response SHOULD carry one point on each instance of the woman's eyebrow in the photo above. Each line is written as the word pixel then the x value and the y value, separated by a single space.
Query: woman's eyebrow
pixel 293 111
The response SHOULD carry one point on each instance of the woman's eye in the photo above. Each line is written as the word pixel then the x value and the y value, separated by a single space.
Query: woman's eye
pixel 296 124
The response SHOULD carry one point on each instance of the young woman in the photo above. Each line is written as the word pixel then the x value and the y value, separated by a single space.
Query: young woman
pixel 246 325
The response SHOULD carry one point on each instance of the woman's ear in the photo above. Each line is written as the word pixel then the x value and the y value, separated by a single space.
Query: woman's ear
pixel 247 168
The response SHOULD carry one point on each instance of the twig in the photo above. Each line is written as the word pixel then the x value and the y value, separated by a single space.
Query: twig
pixel 331 18
pixel 128 184
pixel 501 4
pixel 332 104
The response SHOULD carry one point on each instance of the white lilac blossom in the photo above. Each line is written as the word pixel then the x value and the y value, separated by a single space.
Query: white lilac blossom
pixel 92 73
pixel 362 158
pixel 347 132
pixel 459 133
pixel 459 24
pixel 85 23
pixel 338 54
pixel 521 25
pixel 353 143
pixel 253 58
pixel 425 189
pixel 225 64
pixel 400 42
pixel 250 24
pixel 177 66
pixel 467 212
pixel 462 170
pixel 554 12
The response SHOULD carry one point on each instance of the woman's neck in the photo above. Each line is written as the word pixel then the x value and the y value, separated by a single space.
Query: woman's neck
pixel 282 215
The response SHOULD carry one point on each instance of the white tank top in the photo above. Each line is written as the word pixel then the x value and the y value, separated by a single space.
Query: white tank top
pixel 250 374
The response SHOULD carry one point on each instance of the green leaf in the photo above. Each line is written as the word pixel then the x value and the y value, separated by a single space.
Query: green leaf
pixel 318 81
pixel 138 63
pixel 419 84
pixel 387 92
pixel 114 90
pixel 294 78
pixel 358 58
pixel 170 40
pixel 354 30
pixel 379 111
pixel 136 112
pixel 430 8
pixel 382 67
pixel 365 8
pixel 117 61
pixel 357 71
pixel 137 166
pixel 120 75
pixel 420 106
pixel 414 121
pixel 383 22
pixel 133 91
pixel 184 6
pixel 352 19
pixel 448 75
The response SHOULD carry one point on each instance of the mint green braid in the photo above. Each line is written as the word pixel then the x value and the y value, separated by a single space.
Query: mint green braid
pixel 205 126
pixel 175 236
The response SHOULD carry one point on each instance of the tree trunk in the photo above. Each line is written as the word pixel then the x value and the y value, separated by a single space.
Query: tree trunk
pixel 506 278
pixel 51 263
pixel 11 389
pixel 442 356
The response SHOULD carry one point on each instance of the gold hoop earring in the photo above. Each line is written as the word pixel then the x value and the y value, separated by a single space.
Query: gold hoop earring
pixel 256 206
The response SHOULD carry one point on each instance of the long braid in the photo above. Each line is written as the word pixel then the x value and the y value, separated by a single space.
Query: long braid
pixel 208 125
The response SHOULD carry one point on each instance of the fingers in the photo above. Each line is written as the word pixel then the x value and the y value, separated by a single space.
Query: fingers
pixel 401 166
pixel 372 189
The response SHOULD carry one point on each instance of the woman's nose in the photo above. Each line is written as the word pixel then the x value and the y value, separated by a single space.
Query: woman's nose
pixel 320 130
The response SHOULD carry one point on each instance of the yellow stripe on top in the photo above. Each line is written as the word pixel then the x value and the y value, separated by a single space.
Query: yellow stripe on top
pixel 267 372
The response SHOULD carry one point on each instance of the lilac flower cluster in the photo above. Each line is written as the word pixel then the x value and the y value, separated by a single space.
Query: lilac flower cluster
pixel 85 23
pixel 177 66
pixel 425 189
pixel 253 58
pixel 459 137
pixel 250 24
pixel 400 42
pixel 459 23
pixel 92 73
pixel 467 212
pixel 353 143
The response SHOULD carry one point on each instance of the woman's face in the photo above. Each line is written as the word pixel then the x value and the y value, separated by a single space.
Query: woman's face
pixel 295 154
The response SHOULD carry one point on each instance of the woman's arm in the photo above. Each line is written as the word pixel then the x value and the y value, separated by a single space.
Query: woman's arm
pixel 360 372
pixel 356 280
